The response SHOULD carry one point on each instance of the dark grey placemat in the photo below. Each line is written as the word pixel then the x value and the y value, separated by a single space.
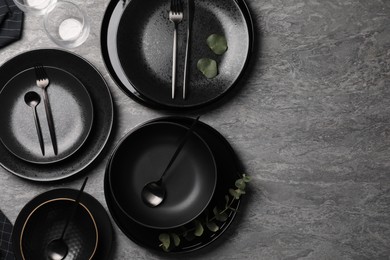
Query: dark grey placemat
pixel 11 22
pixel 6 252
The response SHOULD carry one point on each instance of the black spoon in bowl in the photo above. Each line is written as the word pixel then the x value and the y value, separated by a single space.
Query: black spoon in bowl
pixel 154 192
pixel 57 249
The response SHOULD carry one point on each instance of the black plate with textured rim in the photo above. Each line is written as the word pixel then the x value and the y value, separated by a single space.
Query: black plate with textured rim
pixel 102 105
pixel 228 169
pixel 137 50
pixel 72 111
pixel 100 215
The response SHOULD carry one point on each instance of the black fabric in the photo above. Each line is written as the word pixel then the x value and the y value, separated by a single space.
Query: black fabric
pixel 11 22
pixel 6 252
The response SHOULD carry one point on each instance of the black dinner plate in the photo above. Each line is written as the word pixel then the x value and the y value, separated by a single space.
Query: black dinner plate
pixel 137 49
pixel 228 169
pixel 71 107
pixel 105 231
pixel 141 157
pixel 102 121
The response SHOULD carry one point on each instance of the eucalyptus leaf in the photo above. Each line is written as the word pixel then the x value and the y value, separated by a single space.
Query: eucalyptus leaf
pixel 246 178
pixel 227 200
pixel 212 226
pixel 175 238
pixel 217 43
pixel 208 67
pixel 220 216
pixel 235 194
pixel 184 231
pixel 198 228
pixel 165 241
pixel 240 184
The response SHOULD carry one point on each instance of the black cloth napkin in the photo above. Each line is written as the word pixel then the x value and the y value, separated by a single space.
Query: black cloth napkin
pixel 6 251
pixel 11 22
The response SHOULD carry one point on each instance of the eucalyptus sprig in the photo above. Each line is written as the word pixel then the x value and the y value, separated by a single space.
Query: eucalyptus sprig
pixel 169 241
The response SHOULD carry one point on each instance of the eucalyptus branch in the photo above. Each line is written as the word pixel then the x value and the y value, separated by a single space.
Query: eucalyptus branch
pixel 172 239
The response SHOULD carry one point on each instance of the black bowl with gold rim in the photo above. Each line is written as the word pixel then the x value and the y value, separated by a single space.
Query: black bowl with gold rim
pixel 45 222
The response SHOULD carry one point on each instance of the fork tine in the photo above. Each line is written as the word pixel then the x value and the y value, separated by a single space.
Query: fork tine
pixel 43 71
pixel 38 72
pixel 180 6
pixel 177 6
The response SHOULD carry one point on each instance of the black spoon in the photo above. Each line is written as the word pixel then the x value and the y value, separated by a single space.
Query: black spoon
pixel 57 249
pixel 33 99
pixel 154 192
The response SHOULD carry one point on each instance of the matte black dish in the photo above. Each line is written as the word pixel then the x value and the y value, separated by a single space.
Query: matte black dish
pixel 46 222
pixel 102 122
pixel 137 47
pixel 71 108
pixel 142 156
pixel 228 167
pixel 105 232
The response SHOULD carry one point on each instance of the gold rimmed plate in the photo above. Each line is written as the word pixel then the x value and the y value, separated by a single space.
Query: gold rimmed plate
pixel 89 235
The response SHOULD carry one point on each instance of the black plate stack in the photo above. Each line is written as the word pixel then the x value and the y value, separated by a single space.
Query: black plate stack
pixel 91 118
pixel 137 50
pixel 228 169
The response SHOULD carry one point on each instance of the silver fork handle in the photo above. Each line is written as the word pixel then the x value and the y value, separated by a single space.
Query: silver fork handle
pixel 174 54
pixel 50 123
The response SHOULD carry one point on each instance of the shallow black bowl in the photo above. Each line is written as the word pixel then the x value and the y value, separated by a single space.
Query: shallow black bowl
pixel 46 222
pixel 32 231
pixel 228 168
pixel 142 156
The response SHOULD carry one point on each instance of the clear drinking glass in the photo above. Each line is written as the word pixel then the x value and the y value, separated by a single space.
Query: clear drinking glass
pixel 66 24
pixel 36 7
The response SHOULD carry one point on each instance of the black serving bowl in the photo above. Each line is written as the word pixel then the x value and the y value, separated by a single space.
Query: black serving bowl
pixel 46 222
pixel 142 155
pixel 228 169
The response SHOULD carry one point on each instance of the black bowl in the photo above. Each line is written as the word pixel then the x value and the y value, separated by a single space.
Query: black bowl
pixel 228 167
pixel 141 157
pixel 46 222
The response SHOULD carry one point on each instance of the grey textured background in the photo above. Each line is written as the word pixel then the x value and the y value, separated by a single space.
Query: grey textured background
pixel 310 124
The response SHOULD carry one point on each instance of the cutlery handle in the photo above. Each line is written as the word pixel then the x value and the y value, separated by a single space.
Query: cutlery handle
pixel 50 121
pixel 39 132
pixel 186 66
pixel 174 54
pixel 190 17
pixel 182 141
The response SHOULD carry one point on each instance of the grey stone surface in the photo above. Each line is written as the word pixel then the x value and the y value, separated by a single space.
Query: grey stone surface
pixel 310 124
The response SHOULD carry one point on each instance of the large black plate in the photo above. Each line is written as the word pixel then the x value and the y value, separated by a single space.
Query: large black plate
pixel 72 111
pixel 228 168
pixel 137 49
pixel 142 156
pixel 99 213
pixel 102 105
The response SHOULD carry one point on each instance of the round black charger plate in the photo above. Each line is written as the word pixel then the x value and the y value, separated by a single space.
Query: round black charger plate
pixel 100 215
pixel 102 106
pixel 141 157
pixel 228 168
pixel 72 111
pixel 137 49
